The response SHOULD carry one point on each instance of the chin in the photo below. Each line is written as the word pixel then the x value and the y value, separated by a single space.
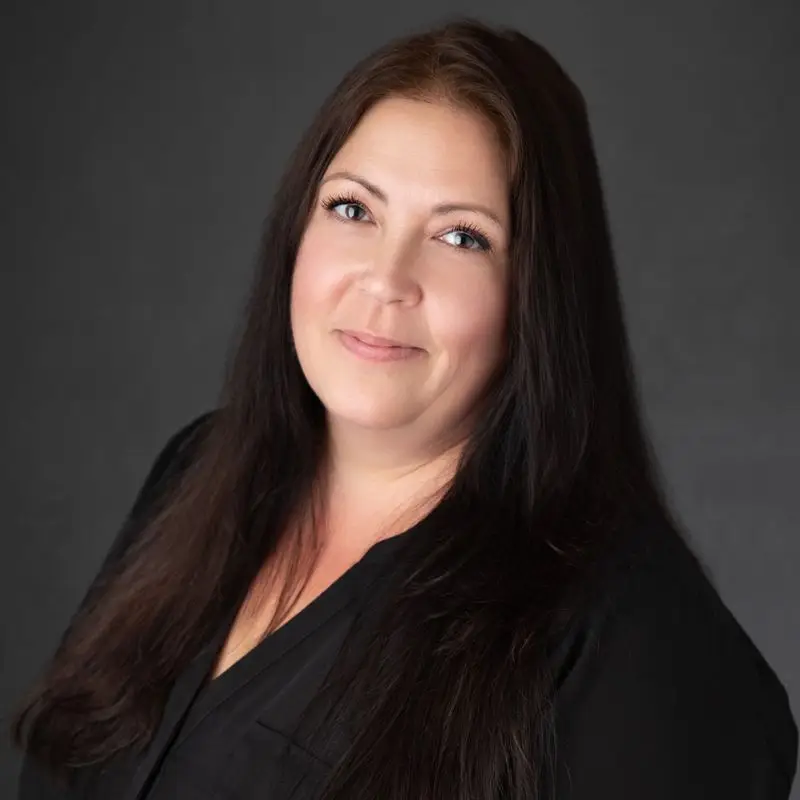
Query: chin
pixel 374 421
pixel 369 413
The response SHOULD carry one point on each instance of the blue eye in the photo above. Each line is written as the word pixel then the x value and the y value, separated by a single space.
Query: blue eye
pixel 482 243
pixel 342 200
pixel 471 232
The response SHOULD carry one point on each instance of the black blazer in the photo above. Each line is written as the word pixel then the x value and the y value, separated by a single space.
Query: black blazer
pixel 661 693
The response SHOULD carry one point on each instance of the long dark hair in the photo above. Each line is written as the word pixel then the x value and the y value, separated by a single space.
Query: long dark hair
pixel 456 696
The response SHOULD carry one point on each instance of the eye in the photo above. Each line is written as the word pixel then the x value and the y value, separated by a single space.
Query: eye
pixel 480 241
pixel 342 200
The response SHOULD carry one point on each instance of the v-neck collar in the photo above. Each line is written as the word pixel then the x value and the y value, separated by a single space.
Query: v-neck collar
pixel 343 591
pixel 193 696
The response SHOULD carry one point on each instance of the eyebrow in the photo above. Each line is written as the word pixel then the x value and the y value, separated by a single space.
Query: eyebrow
pixel 441 208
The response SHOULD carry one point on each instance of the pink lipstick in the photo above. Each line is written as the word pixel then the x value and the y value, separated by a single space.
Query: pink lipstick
pixel 374 348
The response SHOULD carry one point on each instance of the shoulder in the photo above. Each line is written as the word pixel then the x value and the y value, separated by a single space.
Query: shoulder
pixel 172 457
pixel 661 679
pixel 174 450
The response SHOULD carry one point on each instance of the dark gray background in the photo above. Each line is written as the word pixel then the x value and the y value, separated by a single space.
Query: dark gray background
pixel 142 143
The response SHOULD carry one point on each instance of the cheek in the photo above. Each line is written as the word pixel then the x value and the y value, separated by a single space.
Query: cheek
pixel 468 319
pixel 315 280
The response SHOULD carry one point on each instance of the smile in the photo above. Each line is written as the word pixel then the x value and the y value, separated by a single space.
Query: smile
pixel 374 352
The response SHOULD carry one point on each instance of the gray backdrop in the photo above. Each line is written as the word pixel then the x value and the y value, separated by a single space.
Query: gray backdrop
pixel 141 147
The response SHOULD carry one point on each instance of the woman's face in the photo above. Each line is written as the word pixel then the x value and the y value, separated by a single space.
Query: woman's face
pixel 378 257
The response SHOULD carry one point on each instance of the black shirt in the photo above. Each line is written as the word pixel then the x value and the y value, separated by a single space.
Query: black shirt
pixel 661 695
pixel 236 739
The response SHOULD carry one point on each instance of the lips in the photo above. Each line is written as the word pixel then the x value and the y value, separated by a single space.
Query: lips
pixel 394 352
pixel 378 341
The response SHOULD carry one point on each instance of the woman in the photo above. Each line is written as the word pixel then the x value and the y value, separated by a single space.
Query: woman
pixel 420 549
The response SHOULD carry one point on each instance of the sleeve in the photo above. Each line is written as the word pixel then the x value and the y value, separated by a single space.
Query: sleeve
pixel 669 699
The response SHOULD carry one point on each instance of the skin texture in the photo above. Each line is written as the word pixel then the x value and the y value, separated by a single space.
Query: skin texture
pixel 397 269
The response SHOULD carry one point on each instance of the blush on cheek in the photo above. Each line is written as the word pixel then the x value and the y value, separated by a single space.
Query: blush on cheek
pixel 320 273
pixel 480 343
pixel 474 325
pixel 307 288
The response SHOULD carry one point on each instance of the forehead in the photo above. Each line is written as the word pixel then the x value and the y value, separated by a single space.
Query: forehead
pixel 432 145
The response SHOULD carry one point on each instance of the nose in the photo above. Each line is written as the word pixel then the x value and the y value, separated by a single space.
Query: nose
pixel 389 276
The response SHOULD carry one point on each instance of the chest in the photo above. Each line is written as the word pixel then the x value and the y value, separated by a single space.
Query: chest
pixel 257 615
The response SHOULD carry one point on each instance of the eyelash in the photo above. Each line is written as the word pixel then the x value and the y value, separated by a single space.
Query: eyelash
pixel 472 230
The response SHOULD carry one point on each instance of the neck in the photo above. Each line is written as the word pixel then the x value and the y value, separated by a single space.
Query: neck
pixel 380 482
